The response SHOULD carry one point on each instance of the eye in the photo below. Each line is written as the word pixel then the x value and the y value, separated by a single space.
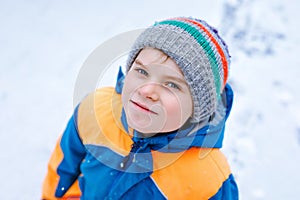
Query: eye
pixel 141 71
pixel 172 85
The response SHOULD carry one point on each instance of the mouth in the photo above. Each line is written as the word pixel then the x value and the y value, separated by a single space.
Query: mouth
pixel 142 107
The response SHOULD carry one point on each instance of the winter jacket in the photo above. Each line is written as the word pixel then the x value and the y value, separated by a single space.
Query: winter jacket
pixel 100 157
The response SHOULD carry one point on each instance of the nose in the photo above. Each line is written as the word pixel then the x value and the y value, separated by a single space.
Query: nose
pixel 149 91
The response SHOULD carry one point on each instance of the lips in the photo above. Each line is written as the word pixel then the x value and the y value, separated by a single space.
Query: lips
pixel 143 107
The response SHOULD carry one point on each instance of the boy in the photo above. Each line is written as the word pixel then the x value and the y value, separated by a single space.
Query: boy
pixel 157 134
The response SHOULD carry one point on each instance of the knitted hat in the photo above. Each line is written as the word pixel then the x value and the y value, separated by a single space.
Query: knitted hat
pixel 199 51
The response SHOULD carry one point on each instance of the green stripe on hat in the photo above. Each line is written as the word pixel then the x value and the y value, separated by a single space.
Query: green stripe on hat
pixel 204 43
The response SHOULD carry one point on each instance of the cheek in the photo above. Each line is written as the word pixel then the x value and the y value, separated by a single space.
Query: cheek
pixel 178 108
pixel 127 89
pixel 172 107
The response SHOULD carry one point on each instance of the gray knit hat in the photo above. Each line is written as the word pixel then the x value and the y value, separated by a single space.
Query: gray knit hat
pixel 199 51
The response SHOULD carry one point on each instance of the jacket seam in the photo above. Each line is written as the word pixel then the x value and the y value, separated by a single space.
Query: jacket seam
pixel 158 187
pixel 219 168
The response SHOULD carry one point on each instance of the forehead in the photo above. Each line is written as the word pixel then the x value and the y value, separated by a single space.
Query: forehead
pixel 152 56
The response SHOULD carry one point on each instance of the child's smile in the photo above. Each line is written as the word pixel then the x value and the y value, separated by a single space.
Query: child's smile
pixel 142 107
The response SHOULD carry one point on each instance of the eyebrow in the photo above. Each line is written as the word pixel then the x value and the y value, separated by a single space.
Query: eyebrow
pixel 179 80
pixel 139 62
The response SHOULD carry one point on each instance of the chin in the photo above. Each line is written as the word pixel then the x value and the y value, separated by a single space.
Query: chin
pixel 149 131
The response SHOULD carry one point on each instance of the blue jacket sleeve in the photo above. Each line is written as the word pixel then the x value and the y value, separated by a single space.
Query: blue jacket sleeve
pixel 73 152
pixel 228 191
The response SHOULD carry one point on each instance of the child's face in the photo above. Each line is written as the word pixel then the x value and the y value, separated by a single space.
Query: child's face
pixel 155 96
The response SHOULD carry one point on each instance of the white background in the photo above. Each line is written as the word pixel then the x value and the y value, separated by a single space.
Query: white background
pixel 43 45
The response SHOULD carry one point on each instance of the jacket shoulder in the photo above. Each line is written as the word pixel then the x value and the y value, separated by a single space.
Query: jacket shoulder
pixel 197 174
pixel 99 116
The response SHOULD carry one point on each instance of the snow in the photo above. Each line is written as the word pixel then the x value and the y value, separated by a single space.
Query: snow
pixel 44 44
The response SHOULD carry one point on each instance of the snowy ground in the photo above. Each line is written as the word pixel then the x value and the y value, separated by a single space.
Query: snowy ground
pixel 44 43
